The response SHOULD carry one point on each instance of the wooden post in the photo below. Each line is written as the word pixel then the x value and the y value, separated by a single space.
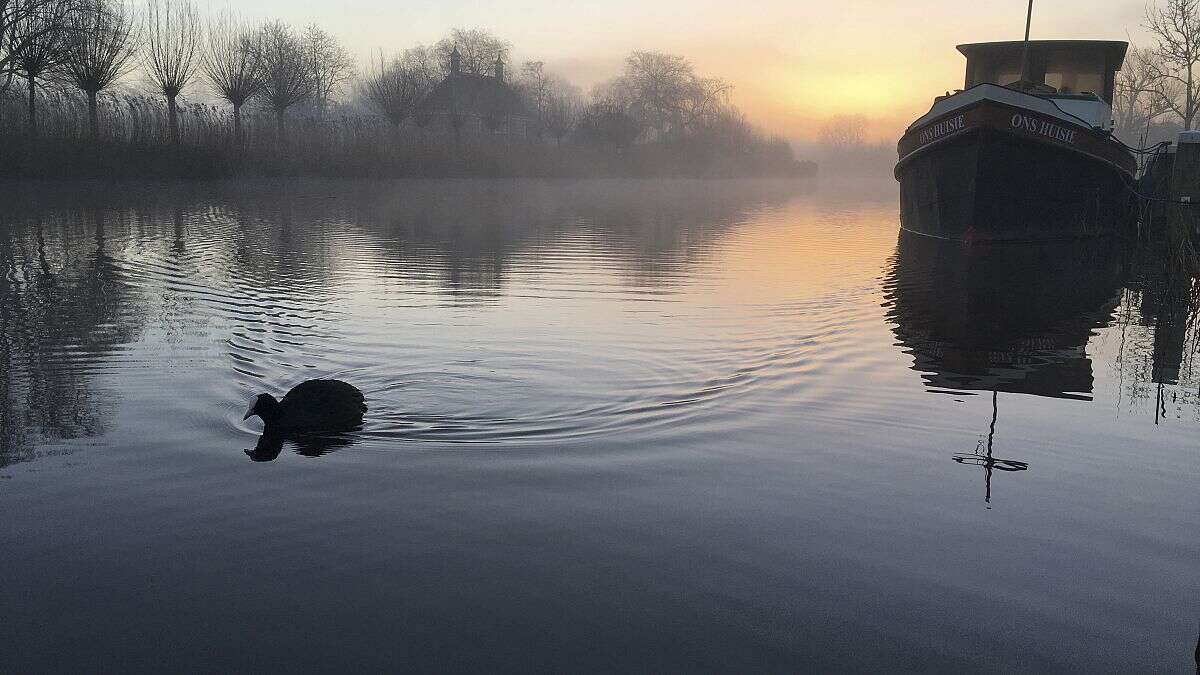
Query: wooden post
pixel 1185 184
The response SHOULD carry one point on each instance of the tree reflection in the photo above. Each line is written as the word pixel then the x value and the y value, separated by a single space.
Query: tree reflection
pixel 63 302
pixel 86 269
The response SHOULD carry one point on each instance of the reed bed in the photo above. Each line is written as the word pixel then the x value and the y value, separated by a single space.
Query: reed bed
pixel 134 140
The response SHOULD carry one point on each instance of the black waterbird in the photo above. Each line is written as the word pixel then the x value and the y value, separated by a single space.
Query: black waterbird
pixel 309 411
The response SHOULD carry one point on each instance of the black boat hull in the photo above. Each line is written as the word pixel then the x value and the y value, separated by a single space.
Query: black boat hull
pixel 989 184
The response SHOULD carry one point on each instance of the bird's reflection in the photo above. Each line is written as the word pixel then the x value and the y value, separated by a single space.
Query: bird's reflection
pixel 270 445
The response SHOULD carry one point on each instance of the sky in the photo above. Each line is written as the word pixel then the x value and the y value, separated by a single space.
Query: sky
pixel 793 64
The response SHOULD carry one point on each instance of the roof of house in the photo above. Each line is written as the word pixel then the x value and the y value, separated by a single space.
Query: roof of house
pixel 465 93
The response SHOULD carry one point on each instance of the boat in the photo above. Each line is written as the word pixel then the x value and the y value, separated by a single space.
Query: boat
pixel 1024 151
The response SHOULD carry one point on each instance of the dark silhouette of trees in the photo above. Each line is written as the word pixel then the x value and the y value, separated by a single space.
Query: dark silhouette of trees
pixel 229 66
pixel 15 34
pixel 394 88
pixel 479 51
pixel 331 65
pixel 37 42
pixel 284 72
pixel 554 102
pixel 664 94
pixel 103 39
pixel 659 104
pixel 562 111
pixel 607 124
pixel 172 51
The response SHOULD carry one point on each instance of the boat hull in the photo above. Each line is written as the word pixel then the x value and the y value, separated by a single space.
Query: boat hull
pixel 983 181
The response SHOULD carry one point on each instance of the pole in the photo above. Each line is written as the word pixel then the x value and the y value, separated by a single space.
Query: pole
pixel 1025 54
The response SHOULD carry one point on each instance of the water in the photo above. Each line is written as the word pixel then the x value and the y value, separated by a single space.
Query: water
pixel 613 425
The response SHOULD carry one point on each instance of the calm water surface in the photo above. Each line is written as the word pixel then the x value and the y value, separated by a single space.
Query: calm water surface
pixel 613 425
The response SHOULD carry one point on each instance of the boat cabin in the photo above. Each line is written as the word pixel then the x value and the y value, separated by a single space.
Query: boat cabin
pixel 1078 75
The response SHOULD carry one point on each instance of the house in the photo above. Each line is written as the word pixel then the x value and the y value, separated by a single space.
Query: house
pixel 465 103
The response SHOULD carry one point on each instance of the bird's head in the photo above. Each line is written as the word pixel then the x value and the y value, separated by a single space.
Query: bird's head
pixel 265 406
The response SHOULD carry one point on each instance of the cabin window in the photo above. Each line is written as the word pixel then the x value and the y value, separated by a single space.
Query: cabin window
pixel 1075 73
pixel 1066 69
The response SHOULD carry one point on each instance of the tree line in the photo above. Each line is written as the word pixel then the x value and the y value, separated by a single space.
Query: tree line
pixel 72 55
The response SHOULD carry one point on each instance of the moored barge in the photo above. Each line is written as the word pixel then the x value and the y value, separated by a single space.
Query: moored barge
pixel 1025 151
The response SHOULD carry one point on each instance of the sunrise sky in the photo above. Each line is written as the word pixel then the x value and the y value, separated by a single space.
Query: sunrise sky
pixel 794 63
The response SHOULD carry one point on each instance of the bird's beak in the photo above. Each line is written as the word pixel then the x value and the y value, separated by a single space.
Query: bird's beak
pixel 249 413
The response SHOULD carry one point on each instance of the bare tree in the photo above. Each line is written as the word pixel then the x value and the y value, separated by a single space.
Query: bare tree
pixel 707 102
pixel 283 71
pixel 1177 29
pixel 534 83
pixel 562 111
pixel 16 39
pixel 172 51
pixel 424 61
pixel 229 66
pixel 1141 96
pixel 554 102
pixel 479 51
pixel 395 87
pixel 331 64
pixel 843 132
pixel 607 124
pixel 103 41
pixel 660 85
pixel 38 42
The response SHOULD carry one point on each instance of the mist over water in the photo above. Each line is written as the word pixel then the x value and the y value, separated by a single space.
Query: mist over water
pixel 720 425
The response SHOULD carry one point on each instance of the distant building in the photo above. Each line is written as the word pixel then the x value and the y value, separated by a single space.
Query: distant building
pixel 465 103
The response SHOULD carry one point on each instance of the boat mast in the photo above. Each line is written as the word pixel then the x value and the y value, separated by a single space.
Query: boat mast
pixel 1025 54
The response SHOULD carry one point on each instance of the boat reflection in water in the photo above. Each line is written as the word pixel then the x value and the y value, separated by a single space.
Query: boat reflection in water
pixel 1002 318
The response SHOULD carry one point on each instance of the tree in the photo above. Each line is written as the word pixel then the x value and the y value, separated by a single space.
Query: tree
pixel 706 103
pixel 17 17
pixel 554 102
pixel 660 85
pixel 394 88
pixel 1177 29
pixel 608 125
pixel 284 73
pixel 330 63
pixel 479 51
pixel 843 132
pixel 103 37
pixel 228 64
pixel 534 83
pixel 1141 96
pixel 37 44
pixel 172 51
pixel 562 110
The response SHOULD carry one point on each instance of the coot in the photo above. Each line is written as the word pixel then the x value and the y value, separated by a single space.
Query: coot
pixel 313 407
